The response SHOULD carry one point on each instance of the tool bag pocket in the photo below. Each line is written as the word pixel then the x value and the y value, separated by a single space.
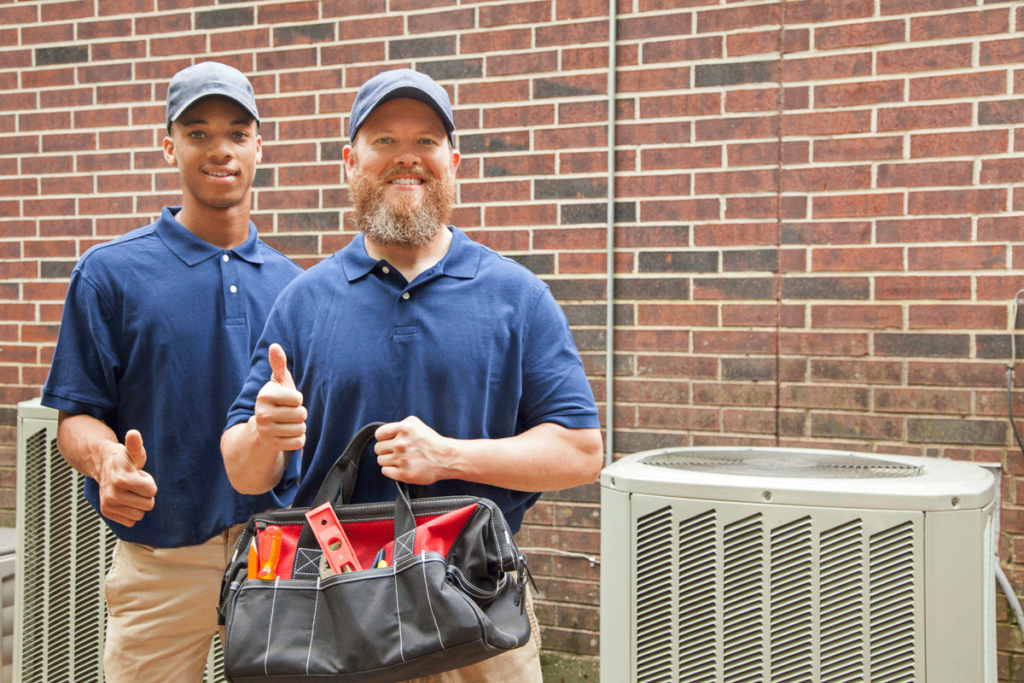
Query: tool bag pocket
pixel 444 597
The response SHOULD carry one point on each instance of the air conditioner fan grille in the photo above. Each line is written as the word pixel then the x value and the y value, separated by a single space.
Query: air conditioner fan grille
pixel 813 465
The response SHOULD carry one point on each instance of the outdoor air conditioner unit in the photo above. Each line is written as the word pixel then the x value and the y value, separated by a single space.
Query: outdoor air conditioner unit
pixel 64 552
pixel 790 565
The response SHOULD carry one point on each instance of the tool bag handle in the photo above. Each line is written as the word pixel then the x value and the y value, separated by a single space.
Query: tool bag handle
pixel 340 482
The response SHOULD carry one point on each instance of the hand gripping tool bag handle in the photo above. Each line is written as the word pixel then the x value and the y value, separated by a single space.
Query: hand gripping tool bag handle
pixel 450 594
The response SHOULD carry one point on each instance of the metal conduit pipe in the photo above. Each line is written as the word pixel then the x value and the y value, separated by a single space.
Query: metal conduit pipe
pixel 610 279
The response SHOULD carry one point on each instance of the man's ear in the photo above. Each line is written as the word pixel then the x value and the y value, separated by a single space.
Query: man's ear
pixel 259 149
pixel 169 155
pixel 346 154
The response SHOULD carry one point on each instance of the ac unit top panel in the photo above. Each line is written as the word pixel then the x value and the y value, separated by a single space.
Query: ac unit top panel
pixel 809 477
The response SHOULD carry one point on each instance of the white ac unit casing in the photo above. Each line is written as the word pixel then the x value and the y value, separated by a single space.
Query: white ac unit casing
pixel 797 566
pixel 64 552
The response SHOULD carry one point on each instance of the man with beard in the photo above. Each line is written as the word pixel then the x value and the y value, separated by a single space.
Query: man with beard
pixel 463 353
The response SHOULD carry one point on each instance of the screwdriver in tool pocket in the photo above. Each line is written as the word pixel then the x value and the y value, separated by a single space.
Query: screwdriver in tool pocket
pixel 270 553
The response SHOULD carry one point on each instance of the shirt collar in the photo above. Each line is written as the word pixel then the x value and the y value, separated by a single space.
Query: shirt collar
pixel 461 261
pixel 193 250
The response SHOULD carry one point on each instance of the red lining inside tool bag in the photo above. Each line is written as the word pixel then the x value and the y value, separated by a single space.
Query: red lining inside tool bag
pixel 434 533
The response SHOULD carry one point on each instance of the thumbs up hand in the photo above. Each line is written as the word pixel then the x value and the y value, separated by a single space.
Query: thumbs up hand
pixel 280 416
pixel 126 492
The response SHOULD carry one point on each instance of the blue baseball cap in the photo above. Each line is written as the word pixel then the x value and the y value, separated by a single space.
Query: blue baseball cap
pixel 390 85
pixel 204 79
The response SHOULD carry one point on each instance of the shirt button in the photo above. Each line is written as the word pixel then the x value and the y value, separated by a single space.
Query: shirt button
pixel 386 270
pixel 405 295
pixel 233 289
pixel 225 257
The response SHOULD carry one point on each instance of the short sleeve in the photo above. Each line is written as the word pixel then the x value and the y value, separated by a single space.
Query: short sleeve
pixel 555 386
pixel 86 362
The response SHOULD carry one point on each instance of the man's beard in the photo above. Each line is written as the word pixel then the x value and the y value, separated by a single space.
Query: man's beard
pixel 402 223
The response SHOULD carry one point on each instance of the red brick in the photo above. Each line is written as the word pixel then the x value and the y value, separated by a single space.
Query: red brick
pixel 974 143
pixel 974 84
pixel 837 233
pixel 494 40
pixel 925 174
pixel 959 25
pixel 765 207
pixel 677 315
pixel 498 91
pixel 648 79
pixel 735 18
pixel 1002 171
pixel 1000 229
pixel 855 34
pixel 734 234
pixel 951 202
pixel 749 316
pixel 1001 52
pixel 518 63
pixel 763 153
pixel 924 59
pixel 736 128
pixel 676 210
pixel 765 42
pixel 860 205
pixel 858 94
pixel 767 99
pixel 683 49
pixel 933 316
pixel 982 257
pixel 825 68
pixel 567 138
pixel 491 191
pixel 695 104
pixel 926 116
pixel 856 259
pixel 521 215
pixel 823 344
pixel 732 182
pixel 515 13
pixel 856 371
pixel 904 287
pixel 826 178
pixel 321 174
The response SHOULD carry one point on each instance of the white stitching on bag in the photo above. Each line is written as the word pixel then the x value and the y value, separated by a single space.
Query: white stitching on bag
pixel 270 626
pixel 431 606
pixel 312 625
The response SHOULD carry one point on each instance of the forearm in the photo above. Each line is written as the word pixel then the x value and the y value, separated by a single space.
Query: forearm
pixel 548 457
pixel 253 467
pixel 86 443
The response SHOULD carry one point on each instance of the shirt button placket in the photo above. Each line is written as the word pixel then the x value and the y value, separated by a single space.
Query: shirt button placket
pixel 233 307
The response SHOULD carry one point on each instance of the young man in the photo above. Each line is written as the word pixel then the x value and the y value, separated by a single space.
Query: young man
pixel 154 344
pixel 463 353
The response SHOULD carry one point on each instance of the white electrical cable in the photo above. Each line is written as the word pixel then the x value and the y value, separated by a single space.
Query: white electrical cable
pixel 1004 583
pixel 1001 579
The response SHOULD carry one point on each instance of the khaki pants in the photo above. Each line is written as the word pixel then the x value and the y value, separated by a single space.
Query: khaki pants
pixel 162 606
pixel 521 665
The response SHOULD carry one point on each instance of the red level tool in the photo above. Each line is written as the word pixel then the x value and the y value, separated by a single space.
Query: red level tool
pixel 332 539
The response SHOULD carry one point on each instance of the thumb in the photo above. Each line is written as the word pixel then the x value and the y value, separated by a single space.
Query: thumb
pixel 279 365
pixel 134 449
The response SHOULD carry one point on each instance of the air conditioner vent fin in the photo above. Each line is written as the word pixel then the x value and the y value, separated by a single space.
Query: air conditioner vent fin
pixel 841 568
pixel 742 595
pixel 891 604
pixel 654 597
pixel 697 623
pixel 791 610
pixel 794 464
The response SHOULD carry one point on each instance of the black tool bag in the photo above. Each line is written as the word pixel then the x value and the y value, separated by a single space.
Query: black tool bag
pixel 445 599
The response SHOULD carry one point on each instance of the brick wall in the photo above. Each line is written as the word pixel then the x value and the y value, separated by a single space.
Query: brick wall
pixel 816 247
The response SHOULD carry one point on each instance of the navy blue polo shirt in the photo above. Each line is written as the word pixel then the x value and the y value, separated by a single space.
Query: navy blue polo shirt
pixel 156 335
pixel 476 347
